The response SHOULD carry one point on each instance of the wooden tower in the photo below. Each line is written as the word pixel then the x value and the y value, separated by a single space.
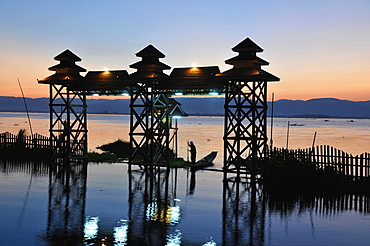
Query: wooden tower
pixel 68 123
pixel 245 133
pixel 149 110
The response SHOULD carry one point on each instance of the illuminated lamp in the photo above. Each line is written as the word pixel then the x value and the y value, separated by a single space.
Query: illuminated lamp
pixel 95 95
pixel 213 93
pixel 125 94
pixel 178 94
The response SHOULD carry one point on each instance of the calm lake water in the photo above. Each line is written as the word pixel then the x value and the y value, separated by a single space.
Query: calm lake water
pixel 108 204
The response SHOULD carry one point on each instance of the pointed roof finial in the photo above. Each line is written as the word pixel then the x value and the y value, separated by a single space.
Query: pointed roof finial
pixel 246 45
pixel 151 51
pixel 67 55
pixel 67 60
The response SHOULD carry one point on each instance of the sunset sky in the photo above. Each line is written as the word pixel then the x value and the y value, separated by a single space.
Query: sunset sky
pixel 318 48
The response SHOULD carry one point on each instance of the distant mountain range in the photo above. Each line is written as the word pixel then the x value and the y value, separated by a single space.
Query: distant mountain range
pixel 314 108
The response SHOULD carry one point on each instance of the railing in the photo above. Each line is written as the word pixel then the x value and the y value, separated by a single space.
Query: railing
pixel 36 141
pixel 327 157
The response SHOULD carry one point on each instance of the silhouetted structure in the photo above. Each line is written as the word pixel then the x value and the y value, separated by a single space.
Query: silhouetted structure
pixel 68 123
pixel 244 86
pixel 245 134
pixel 149 109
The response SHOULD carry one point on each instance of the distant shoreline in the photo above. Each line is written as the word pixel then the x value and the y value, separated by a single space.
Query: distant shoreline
pixel 216 115
pixel 314 108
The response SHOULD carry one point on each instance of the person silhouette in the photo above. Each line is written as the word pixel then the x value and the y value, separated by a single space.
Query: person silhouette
pixel 193 152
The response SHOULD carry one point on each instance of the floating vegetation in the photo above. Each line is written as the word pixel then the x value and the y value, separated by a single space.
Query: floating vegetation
pixel 102 157
pixel 119 151
pixel 119 148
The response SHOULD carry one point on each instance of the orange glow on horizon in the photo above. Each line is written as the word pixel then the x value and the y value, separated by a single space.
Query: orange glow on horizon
pixel 302 80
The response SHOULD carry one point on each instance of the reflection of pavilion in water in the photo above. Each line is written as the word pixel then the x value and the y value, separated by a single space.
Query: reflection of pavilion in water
pixel 246 207
pixel 154 214
pixel 153 207
pixel 66 206
pixel 243 213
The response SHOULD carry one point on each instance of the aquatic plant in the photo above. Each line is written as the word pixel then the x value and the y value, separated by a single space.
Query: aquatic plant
pixel 102 157
pixel 119 148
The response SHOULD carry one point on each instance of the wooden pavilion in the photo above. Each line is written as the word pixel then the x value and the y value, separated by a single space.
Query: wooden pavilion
pixel 244 87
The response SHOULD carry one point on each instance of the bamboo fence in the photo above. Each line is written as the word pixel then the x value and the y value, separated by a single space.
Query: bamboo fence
pixel 330 158
pixel 35 141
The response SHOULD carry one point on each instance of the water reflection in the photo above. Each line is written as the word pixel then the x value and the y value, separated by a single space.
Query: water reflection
pixel 325 205
pixel 153 207
pixel 246 206
pixel 156 214
pixel 192 182
pixel 33 168
pixel 66 205
pixel 243 213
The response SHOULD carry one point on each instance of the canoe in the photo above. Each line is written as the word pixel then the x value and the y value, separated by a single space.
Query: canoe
pixel 296 124
pixel 206 161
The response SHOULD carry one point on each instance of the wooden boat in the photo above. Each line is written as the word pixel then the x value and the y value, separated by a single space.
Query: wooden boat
pixel 296 124
pixel 205 161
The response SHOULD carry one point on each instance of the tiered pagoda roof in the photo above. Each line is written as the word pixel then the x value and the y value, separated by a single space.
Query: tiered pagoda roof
pixel 246 64
pixel 149 67
pixel 66 71
pixel 176 109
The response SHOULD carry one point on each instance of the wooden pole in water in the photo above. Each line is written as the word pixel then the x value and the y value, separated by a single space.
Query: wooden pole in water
pixel 314 139
pixel 287 136
pixel 176 129
pixel 272 121
pixel 187 150
pixel 25 105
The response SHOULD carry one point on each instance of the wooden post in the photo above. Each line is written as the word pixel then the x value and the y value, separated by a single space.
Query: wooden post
pixel 314 139
pixel 287 137
pixel 361 166
pixel 272 120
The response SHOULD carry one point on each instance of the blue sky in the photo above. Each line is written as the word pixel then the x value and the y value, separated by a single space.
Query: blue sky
pixel 317 48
